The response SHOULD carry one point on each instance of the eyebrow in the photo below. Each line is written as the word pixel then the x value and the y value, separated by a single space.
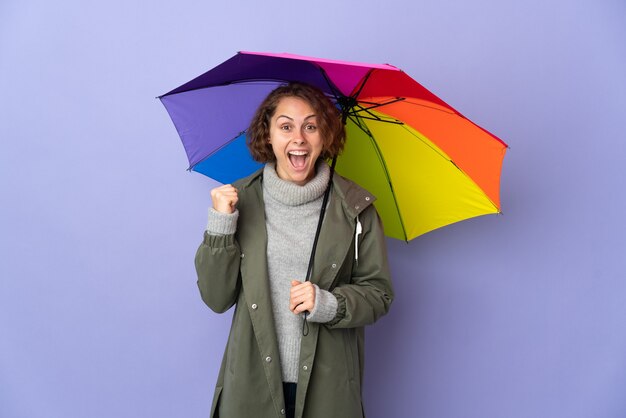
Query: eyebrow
pixel 285 116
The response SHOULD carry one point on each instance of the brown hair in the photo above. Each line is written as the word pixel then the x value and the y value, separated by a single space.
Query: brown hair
pixel 329 121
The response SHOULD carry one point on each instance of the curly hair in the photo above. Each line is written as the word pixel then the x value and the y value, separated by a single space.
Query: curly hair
pixel 329 121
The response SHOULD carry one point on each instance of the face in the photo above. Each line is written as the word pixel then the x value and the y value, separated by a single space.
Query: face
pixel 295 140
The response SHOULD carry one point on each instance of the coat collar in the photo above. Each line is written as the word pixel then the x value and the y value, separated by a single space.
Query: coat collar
pixel 347 201
pixel 353 197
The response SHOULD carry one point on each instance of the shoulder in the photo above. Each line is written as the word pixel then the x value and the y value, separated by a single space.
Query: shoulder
pixel 250 198
pixel 249 181
pixel 355 198
pixel 250 185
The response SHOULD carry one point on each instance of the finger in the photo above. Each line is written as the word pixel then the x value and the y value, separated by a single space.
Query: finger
pixel 224 194
pixel 225 205
pixel 307 300
pixel 226 198
pixel 303 298
pixel 306 289
pixel 233 192
pixel 305 306
pixel 223 190
pixel 225 187
pixel 296 285
pixel 294 302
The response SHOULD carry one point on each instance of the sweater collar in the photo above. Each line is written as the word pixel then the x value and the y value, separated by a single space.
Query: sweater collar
pixel 291 194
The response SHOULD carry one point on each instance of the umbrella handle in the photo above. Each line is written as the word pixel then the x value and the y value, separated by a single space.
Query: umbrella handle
pixel 309 271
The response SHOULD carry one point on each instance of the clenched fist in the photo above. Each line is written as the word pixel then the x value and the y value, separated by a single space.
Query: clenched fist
pixel 224 198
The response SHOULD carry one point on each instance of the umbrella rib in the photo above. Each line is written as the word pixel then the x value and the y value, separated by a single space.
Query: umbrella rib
pixel 363 82
pixel 454 112
pixel 227 83
pixel 224 145
pixel 395 122
pixel 374 105
pixel 373 116
pixel 248 81
pixel 384 164
pixel 446 157
pixel 434 108
pixel 357 122
pixel 363 109
pixel 430 145
pixel 332 86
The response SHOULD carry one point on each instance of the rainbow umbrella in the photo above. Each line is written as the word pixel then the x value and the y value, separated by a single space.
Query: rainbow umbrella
pixel 427 164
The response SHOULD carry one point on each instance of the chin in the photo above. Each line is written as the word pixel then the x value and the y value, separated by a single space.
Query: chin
pixel 301 180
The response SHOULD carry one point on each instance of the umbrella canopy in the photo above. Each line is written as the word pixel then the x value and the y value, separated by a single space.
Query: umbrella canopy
pixel 427 164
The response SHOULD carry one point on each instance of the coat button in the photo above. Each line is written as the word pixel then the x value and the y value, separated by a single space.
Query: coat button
pixel 305 368
pixel 367 198
pixel 242 255
pixel 357 207
pixel 268 359
pixel 282 411
pixel 254 306
pixel 334 266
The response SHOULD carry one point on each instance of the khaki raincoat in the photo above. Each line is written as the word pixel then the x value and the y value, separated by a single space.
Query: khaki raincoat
pixel 232 269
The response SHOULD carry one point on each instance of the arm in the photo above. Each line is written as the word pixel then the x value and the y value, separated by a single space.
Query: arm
pixel 218 258
pixel 217 264
pixel 369 294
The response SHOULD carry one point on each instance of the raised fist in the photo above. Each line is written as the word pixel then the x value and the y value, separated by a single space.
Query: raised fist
pixel 224 198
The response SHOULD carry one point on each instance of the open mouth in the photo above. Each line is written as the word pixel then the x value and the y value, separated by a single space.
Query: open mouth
pixel 298 159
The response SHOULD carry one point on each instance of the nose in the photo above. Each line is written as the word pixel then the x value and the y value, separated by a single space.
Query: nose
pixel 298 136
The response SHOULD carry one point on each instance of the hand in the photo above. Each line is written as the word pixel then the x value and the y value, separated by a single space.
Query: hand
pixel 224 198
pixel 302 297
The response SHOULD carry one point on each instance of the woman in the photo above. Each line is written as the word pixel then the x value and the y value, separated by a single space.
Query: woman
pixel 255 254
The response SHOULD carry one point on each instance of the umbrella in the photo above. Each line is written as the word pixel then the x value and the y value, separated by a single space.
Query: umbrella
pixel 427 164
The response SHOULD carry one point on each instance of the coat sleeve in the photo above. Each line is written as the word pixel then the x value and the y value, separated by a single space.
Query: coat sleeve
pixel 217 264
pixel 369 294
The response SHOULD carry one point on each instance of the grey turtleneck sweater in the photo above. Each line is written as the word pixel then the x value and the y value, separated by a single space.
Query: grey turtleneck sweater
pixel 291 216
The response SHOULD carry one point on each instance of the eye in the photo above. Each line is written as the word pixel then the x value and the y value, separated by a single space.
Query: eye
pixel 285 127
pixel 310 128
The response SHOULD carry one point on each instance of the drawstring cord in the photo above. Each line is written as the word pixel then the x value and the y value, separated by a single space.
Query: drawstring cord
pixel 359 230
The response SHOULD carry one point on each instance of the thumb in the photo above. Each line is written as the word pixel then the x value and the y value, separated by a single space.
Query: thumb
pixel 294 283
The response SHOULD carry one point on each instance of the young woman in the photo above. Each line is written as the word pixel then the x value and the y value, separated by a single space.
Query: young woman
pixel 255 255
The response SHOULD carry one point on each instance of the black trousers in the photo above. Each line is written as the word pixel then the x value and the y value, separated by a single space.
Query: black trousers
pixel 289 389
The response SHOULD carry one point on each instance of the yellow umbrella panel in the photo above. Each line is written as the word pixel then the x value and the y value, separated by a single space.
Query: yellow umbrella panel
pixel 418 187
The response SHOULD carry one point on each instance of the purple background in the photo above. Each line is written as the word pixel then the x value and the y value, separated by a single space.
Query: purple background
pixel 521 315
